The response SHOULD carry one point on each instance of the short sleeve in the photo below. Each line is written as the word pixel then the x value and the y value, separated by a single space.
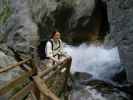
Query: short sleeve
pixel 48 50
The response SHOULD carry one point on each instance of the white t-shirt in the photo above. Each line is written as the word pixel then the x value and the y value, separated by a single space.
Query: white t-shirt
pixel 57 48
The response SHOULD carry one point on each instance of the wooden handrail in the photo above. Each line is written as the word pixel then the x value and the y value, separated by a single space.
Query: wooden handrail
pixel 44 89
pixel 37 81
pixel 41 74
pixel 19 80
pixel 52 73
pixel 21 94
pixel 14 65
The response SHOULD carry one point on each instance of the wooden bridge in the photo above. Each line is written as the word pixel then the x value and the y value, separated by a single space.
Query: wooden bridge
pixel 33 82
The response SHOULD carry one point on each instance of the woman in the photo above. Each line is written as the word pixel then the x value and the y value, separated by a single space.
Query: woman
pixel 54 51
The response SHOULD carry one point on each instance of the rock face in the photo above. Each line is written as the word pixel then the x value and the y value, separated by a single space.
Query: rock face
pixel 63 15
pixel 17 34
pixel 120 14
pixel 29 19
pixel 20 30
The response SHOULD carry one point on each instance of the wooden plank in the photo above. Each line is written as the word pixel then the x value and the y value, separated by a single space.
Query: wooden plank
pixel 58 69
pixel 35 61
pixel 52 73
pixel 22 93
pixel 67 76
pixel 14 65
pixel 36 91
pixel 10 85
pixel 41 74
pixel 44 89
pixel 33 96
pixel 27 67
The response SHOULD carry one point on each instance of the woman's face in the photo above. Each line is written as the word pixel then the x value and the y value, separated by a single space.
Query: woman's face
pixel 56 36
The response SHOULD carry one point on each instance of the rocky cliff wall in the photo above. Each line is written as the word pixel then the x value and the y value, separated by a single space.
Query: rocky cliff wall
pixel 120 14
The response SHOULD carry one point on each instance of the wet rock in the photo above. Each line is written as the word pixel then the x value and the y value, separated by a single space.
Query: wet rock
pixel 79 78
pixel 90 93
pixel 94 89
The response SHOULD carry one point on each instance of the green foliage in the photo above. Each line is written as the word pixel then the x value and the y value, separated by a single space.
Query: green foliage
pixel 6 11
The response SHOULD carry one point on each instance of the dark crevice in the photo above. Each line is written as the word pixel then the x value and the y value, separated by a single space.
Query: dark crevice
pixel 17 56
pixel 104 17
pixel 96 25
pixel 62 15
pixel 57 20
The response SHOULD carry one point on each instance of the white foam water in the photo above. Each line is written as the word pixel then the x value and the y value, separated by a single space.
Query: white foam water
pixel 96 60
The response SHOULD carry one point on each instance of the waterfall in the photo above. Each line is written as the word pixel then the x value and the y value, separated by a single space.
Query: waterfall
pixel 95 60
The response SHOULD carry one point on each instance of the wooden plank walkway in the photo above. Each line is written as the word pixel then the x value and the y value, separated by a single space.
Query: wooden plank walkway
pixel 36 85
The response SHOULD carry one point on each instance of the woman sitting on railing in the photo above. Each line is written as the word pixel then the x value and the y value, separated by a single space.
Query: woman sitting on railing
pixel 54 53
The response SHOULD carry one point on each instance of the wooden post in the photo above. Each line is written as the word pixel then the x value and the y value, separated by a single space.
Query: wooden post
pixel 67 76
pixel 44 89
pixel 36 91
pixel 34 61
pixel 67 65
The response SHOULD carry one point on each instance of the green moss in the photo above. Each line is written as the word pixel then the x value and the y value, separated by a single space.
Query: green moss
pixel 6 12
pixel 19 87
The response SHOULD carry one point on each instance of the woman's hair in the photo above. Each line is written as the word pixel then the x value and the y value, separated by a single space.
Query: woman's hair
pixel 53 34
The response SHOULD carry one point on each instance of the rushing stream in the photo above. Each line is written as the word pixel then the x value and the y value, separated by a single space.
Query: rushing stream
pixel 98 61
pixel 97 74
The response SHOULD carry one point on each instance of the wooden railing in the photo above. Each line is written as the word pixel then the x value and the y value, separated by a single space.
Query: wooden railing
pixel 32 82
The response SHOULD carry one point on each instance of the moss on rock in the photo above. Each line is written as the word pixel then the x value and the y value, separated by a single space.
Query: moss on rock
pixel 5 11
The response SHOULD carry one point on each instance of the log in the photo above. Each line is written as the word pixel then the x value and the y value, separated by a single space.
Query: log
pixel 13 65
pixel 33 96
pixel 67 75
pixel 41 74
pixel 44 89
pixel 26 67
pixel 19 80
pixel 52 73
pixel 36 91
pixel 24 92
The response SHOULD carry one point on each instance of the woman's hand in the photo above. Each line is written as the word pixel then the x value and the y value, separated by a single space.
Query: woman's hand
pixel 57 61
